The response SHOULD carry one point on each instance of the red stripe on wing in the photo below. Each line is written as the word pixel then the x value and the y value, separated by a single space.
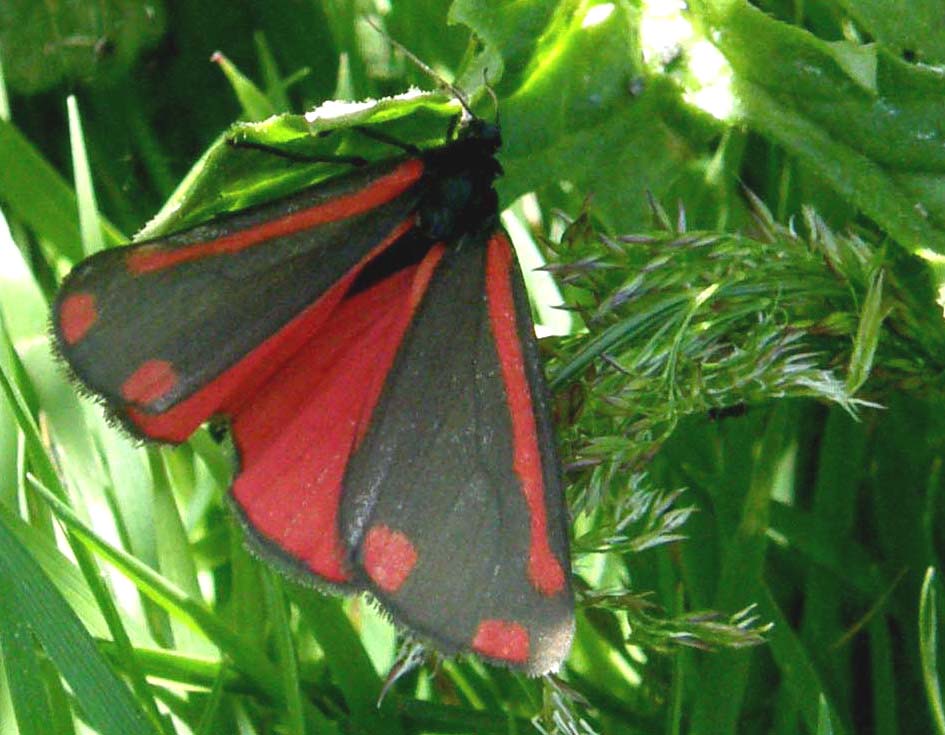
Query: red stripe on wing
pixel 421 280
pixel 231 389
pixel 387 188
pixel 544 570
pixel 297 433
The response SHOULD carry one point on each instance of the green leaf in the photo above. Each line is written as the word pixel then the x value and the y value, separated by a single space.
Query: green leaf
pixel 912 26
pixel 876 137
pixel 102 697
pixel 928 649
pixel 26 685
pixel 38 195
pixel 229 177
pixel 804 689
pixel 61 572
pixel 46 43
pixel 824 725
pixel 350 665
pixel 740 580
pixel 867 335
pixel 92 240
pixel 251 661
pixel 255 104
pixel 276 607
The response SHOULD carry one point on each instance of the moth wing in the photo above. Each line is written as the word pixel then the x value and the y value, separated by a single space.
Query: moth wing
pixel 452 506
pixel 296 434
pixel 173 330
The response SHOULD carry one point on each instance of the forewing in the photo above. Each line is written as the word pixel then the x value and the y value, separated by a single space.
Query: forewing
pixel 452 506
pixel 171 331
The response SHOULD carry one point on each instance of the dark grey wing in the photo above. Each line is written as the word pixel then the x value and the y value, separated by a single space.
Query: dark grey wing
pixel 169 330
pixel 452 503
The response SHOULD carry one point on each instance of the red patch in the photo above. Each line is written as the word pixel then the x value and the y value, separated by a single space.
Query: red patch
pixel 544 570
pixel 389 557
pixel 290 485
pixel 418 287
pixel 149 382
pixel 77 314
pixel 503 640
pixel 157 256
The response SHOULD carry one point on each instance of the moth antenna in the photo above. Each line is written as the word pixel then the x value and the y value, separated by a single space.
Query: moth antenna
pixel 426 69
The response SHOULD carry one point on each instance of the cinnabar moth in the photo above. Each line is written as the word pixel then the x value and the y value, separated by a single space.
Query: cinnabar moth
pixel 370 342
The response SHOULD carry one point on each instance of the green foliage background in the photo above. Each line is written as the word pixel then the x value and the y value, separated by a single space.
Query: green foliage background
pixel 756 324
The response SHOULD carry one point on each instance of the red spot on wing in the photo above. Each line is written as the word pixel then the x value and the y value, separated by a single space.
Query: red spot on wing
pixel 77 313
pixel 544 569
pixel 158 256
pixel 389 557
pixel 233 388
pixel 503 640
pixel 152 379
pixel 296 433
